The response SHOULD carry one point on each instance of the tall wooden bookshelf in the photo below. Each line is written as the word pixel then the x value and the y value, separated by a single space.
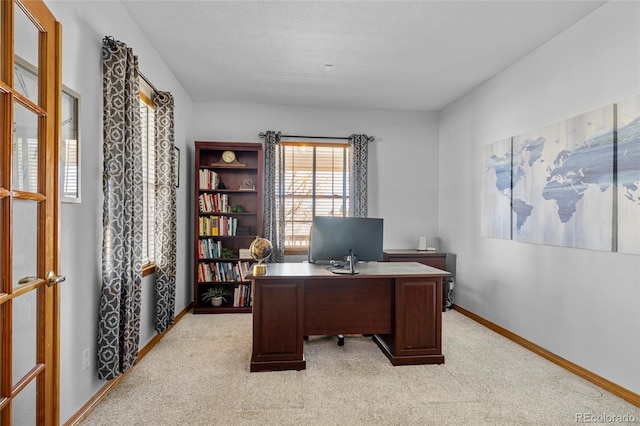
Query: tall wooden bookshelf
pixel 228 217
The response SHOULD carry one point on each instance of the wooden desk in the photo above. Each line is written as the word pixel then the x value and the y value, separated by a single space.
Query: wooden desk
pixel 398 303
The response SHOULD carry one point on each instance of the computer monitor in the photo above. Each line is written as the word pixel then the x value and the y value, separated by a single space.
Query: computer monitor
pixel 351 238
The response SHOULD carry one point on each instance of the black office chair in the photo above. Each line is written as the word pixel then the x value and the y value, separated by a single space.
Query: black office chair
pixel 339 336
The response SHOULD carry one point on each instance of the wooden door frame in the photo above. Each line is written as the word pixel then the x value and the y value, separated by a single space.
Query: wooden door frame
pixel 49 128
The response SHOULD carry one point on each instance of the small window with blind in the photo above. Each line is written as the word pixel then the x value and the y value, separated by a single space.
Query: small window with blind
pixel 316 184
pixel 147 132
pixel 69 147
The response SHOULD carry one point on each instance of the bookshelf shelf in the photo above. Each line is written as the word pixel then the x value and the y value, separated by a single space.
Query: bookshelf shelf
pixel 217 228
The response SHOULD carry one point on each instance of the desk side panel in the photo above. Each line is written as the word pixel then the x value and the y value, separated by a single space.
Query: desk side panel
pixel 277 325
pixel 419 321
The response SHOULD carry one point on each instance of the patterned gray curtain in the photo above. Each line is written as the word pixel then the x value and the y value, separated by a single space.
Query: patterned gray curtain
pixel 273 222
pixel 358 153
pixel 165 211
pixel 119 315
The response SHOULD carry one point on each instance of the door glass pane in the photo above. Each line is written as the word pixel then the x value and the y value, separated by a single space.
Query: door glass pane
pixel 4 286
pixel 25 150
pixel 25 241
pixel 24 406
pixel 26 79
pixel 24 335
pixel 26 49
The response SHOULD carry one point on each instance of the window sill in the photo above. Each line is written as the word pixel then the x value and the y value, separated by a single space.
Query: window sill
pixel 148 269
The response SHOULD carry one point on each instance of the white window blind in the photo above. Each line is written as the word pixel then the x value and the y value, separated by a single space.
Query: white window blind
pixel 147 131
pixel 316 184
pixel 69 154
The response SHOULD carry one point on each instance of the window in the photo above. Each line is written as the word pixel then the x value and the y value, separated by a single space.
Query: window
pixel 147 132
pixel 316 184
pixel 69 147
pixel 25 143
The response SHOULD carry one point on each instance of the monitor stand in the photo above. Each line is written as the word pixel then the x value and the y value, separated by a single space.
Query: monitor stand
pixel 352 266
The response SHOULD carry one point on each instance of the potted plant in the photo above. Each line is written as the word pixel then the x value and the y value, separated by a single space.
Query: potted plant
pixel 215 295
pixel 227 253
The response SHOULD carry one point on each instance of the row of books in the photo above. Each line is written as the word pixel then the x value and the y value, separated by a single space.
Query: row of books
pixel 223 271
pixel 242 296
pixel 209 249
pixel 214 203
pixel 218 225
pixel 208 179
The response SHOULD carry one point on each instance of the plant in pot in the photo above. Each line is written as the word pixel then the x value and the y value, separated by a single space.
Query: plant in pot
pixel 215 295
pixel 227 253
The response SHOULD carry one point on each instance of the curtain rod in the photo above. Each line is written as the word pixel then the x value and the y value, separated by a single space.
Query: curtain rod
pixel 148 82
pixel 262 135
pixel 113 45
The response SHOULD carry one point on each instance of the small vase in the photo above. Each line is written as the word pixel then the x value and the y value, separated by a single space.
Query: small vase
pixel 216 301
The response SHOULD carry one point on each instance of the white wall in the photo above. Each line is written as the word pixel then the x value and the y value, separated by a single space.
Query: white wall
pixel 84 26
pixel 403 159
pixel 579 304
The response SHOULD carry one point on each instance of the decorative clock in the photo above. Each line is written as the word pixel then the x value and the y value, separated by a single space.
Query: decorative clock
pixel 228 158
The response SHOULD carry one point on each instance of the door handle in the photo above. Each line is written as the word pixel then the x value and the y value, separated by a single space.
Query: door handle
pixel 52 278
pixel 26 280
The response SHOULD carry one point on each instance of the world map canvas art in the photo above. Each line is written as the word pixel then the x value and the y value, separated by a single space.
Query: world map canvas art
pixel 574 184
pixel 563 183
pixel 628 155
pixel 496 190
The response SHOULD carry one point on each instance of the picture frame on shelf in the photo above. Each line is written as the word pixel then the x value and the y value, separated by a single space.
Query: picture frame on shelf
pixel 248 185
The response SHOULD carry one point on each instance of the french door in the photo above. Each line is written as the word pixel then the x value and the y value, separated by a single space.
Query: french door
pixel 29 129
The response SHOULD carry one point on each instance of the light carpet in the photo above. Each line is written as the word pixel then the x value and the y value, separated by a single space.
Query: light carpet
pixel 198 374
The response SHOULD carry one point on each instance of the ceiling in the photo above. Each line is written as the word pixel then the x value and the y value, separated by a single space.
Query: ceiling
pixel 407 55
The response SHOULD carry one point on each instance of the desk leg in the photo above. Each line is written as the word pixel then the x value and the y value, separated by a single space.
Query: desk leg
pixel 417 338
pixel 277 325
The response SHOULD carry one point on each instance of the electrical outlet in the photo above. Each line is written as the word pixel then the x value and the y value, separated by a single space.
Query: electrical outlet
pixel 451 285
pixel 85 359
